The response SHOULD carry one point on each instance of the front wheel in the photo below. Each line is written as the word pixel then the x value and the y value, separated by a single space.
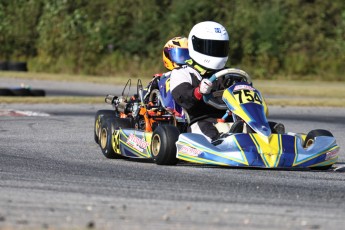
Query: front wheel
pixel 163 146
pixel 310 139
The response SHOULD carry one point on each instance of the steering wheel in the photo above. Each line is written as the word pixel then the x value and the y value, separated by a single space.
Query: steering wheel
pixel 227 73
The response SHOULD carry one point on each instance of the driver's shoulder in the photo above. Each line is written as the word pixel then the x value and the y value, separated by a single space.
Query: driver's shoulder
pixel 184 70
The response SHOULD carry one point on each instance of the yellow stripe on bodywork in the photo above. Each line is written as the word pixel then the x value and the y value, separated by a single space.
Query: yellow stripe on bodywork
pixel 311 157
pixel 123 133
pixel 222 155
pixel 326 163
pixel 234 103
pixel 148 138
pixel 242 152
pixel 270 152
pixel 167 85
pixel 138 153
pixel 198 160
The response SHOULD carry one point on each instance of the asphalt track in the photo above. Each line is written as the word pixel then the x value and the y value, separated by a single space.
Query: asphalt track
pixel 54 176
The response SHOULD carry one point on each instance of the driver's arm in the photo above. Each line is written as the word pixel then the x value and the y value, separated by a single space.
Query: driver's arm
pixel 184 87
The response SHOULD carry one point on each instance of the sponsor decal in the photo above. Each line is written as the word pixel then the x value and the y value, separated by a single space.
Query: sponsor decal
pixel 217 30
pixel 190 151
pixel 137 143
pixel 240 87
pixel 331 154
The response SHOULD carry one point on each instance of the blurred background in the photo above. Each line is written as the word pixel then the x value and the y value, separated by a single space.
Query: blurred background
pixel 271 39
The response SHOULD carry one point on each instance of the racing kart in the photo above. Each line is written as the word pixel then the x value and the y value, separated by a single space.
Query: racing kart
pixel 151 125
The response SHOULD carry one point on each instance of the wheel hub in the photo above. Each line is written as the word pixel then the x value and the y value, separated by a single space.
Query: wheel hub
pixel 103 138
pixel 156 144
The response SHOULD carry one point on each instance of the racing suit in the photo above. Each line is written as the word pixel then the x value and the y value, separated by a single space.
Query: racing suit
pixel 184 82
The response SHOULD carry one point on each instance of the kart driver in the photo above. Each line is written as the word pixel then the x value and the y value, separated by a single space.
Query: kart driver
pixel 175 53
pixel 208 45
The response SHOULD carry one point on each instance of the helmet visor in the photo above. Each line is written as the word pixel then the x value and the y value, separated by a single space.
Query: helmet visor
pixel 179 55
pixel 214 48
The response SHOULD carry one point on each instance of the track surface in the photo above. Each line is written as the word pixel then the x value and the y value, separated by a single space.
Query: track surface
pixel 53 176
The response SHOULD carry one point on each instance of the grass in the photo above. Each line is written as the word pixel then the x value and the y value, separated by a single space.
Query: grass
pixel 52 100
pixel 318 89
pixel 302 93
pixel 276 92
pixel 66 77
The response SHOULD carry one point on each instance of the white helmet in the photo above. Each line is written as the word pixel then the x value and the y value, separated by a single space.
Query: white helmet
pixel 208 45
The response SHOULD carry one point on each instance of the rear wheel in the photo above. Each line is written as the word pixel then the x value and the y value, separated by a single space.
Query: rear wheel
pixel 163 146
pixel 106 138
pixel 99 114
pixel 310 139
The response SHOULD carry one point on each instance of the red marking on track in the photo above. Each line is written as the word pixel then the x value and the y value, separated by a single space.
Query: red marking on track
pixel 17 113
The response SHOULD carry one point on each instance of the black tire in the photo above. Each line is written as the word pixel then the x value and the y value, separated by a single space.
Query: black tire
pixel 99 114
pixel 3 65
pixel 17 66
pixel 6 92
pixel 163 146
pixel 237 127
pixel 108 127
pixel 38 92
pixel 277 128
pixel 22 92
pixel 309 140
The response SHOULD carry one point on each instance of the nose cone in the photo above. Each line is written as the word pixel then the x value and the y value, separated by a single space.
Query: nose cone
pixel 262 128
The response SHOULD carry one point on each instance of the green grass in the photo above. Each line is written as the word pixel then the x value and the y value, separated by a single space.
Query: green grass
pixel 276 92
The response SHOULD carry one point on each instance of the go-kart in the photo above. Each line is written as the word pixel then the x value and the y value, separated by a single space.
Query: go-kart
pixel 150 127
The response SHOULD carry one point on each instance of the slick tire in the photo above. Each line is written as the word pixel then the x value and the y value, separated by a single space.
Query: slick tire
pixel 22 92
pixel 310 139
pixel 6 92
pixel 277 128
pixel 237 127
pixel 3 65
pixel 106 140
pixel 17 66
pixel 163 146
pixel 38 92
pixel 99 114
